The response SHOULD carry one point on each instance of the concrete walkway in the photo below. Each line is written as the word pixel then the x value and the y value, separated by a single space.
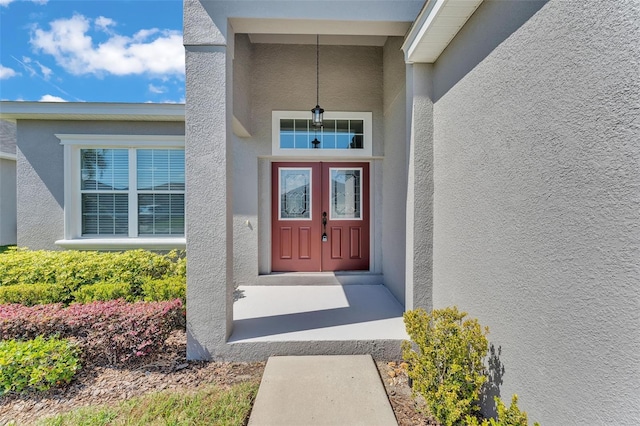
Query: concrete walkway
pixel 326 390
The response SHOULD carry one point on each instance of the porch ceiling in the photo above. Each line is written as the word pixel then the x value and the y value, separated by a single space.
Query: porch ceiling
pixel 332 32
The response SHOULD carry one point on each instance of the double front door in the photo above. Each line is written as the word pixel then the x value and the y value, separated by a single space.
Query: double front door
pixel 320 217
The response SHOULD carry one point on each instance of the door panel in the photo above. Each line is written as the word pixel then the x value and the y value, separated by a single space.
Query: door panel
pixel 303 195
pixel 304 242
pixel 286 245
pixel 296 221
pixel 355 243
pixel 345 190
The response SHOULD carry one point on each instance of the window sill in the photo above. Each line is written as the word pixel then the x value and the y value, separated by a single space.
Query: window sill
pixel 159 243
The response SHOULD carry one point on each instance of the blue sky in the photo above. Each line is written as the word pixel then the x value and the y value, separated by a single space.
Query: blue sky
pixel 91 51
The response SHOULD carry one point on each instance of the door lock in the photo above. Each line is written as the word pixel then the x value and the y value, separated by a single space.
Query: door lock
pixel 324 227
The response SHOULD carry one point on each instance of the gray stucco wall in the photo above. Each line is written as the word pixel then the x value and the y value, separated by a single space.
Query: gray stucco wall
pixel 40 174
pixel 394 168
pixel 537 205
pixel 7 136
pixel 7 183
pixel 7 202
pixel 242 81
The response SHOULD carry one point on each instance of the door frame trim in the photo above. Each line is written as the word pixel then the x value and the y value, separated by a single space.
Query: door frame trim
pixel 265 186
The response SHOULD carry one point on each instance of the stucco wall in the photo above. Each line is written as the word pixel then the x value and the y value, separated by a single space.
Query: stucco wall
pixel 242 81
pixel 7 136
pixel 7 202
pixel 40 174
pixel 394 168
pixel 537 205
pixel 7 182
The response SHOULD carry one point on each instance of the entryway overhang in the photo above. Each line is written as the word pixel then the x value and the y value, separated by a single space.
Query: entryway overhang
pixel 334 32
pixel 437 24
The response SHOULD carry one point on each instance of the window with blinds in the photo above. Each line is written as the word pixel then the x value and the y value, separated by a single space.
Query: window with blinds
pixel 118 185
pixel 160 175
pixel 105 191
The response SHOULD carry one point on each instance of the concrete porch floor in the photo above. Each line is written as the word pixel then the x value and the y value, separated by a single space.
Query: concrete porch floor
pixel 299 313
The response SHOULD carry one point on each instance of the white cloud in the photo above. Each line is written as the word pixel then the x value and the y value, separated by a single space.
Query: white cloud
pixel 6 72
pixel 149 51
pixel 51 98
pixel 46 71
pixel 6 2
pixel 103 23
pixel 157 89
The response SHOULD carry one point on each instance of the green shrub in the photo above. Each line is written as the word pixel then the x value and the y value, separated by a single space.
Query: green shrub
pixel 36 364
pixel 73 269
pixel 511 416
pixel 103 292
pixel 179 268
pixel 447 369
pixel 165 289
pixel 33 294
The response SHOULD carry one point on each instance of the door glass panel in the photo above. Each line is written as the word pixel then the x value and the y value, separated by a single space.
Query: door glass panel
pixel 295 193
pixel 346 193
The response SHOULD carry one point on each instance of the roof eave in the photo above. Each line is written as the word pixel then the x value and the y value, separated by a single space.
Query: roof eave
pixel 13 110
pixel 436 25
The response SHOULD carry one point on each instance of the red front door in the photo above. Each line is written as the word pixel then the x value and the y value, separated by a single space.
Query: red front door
pixel 320 217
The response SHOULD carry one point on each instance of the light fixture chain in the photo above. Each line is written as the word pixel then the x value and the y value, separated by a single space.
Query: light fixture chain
pixel 317 69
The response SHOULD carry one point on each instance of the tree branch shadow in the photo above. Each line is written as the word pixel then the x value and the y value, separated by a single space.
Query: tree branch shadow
pixel 491 388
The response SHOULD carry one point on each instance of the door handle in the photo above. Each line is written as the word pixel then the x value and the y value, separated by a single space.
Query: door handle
pixel 324 227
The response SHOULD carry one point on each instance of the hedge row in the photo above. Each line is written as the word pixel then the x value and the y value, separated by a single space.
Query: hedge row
pixel 151 290
pixel 110 332
pixel 39 277
pixel 73 269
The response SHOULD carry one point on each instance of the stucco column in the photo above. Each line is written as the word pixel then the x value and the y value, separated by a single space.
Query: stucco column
pixel 419 257
pixel 208 203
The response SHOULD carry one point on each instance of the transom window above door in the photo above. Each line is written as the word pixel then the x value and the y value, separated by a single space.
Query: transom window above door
pixel 344 134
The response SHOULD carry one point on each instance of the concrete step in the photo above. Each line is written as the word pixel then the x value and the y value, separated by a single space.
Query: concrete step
pixel 316 313
pixel 321 390
pixel 320 278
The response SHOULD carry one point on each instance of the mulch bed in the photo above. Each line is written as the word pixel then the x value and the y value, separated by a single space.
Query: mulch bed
pixel 96 385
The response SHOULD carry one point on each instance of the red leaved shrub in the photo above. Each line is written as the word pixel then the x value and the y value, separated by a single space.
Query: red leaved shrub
pixel 113 332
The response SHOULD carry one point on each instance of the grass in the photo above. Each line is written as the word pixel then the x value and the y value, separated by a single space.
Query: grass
pixel 208 405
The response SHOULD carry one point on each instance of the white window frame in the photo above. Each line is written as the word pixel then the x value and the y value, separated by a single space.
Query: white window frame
pixel 73 238
pixel 366 151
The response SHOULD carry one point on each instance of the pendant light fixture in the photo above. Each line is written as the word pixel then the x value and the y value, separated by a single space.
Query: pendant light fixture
pixel 316 113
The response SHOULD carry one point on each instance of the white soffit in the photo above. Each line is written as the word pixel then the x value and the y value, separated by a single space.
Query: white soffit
pixel 436 25
pixel 332 32
pixel 14 110
pixel 311 26
pixel 331 39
